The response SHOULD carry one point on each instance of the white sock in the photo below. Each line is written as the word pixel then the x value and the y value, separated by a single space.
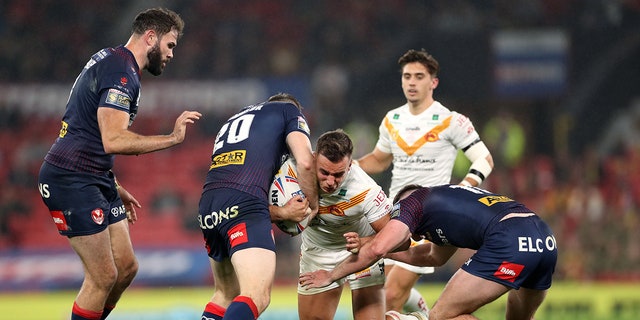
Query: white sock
pixel 415 302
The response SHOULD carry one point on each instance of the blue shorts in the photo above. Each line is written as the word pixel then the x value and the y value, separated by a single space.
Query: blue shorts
pixel 232 220
pixel 518 252
pixel 80 203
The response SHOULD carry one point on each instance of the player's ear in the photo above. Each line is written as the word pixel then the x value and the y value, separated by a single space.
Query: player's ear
pixel 150 37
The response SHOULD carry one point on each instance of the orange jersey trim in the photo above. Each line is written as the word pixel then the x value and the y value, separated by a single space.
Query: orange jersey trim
pixel 339 208
pixel 431 136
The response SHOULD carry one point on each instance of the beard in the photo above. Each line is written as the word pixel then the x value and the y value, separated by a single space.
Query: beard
pixel 155 60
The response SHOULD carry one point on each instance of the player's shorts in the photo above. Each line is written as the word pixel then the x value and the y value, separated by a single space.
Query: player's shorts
pixel 80 203
pixel 312 259
pixel 518 252
pixel 406 266
pixel 232 220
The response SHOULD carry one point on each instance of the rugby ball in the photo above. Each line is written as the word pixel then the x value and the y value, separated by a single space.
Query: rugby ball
pixel 284 187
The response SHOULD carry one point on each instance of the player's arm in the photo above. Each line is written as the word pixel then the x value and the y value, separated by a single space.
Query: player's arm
pixel 117 139
pixel 355 242
pixel 300 148
pixel 481 163
pixel 375 162
pixel 424 255
pixel 394 234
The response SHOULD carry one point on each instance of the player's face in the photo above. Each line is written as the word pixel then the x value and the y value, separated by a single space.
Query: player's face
pixel 417 83
pixel 161 53
pixel 331 174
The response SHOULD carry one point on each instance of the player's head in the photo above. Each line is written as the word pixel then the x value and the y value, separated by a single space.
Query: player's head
pixel 419 72
pixel 405 192
pixel 160 20
pixel 165 26
pixel 422 57
pixel 285 97
pixel 333 159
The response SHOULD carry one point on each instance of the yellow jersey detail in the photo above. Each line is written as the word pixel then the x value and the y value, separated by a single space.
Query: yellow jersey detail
pixel 431 136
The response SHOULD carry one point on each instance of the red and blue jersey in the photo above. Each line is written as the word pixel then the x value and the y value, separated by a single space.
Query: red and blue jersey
pixel 110 79
pixel 251 145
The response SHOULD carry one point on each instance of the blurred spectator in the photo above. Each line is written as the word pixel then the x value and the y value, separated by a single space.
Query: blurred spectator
pixel 506 138
pixel 623 133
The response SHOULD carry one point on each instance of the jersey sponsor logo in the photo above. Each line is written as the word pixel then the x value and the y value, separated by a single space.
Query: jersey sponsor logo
pixel 442 236
pixel 508 271
pixel 123 81
pixel 339 208
pixel 118 98
pixel 302 124
pixel 211 220
pixel 381 198
pixel 395 211
pixel 431 136
pixel 59 220
pixel 97 215
pixel 235 157
pixel 415 159
pixel 63 129
pixel 238 235
pixel 528 244
pixel 491 200
pixel 117 211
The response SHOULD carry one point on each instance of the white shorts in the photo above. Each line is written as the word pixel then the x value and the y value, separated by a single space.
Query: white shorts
pixel 313 259
pixel 412 268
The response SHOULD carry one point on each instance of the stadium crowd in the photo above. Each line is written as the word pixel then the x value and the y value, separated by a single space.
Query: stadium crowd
pixel 590 199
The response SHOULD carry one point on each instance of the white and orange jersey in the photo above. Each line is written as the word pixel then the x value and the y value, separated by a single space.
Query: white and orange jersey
pixel 424 146
pixel 358 202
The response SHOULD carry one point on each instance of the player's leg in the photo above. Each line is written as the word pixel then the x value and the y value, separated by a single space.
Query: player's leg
pixel 100 273
pixel 464 294
pixel 226 289
pixel 368 302
pixel 321 305
pixel 523 303
pixel 255 269
pixel 367 292
pixel 398 286
pixel 125 261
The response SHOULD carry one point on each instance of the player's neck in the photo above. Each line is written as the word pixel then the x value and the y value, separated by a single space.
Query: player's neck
pixel 139 51
pixel 420 106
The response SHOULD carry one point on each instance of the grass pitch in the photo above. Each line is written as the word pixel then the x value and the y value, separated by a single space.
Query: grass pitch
pixel 565 301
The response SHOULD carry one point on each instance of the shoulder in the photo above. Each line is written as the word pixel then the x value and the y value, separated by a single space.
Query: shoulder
pixel 399 110
pixel 357 177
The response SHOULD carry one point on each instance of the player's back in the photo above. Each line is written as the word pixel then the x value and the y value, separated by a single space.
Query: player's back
pixel 250 147
pixel 458 215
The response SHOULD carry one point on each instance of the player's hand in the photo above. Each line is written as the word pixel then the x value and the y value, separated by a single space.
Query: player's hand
pixel 130 204
pixel 297 209
pixel 180 128
pixel 316 279
pixel 353 241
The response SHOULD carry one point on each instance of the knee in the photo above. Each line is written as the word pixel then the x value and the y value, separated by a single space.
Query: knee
pixel 392 291
pixel 127 272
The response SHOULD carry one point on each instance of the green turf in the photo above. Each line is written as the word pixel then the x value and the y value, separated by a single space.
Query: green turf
pixel 565 301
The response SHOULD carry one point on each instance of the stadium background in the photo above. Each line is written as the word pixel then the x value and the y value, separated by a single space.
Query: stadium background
pixel 551 85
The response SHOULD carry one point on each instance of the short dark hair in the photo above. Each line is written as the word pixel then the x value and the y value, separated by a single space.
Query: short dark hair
pixel 160 20
pixel 405 189
pixel 423 57
pixel 285 97
pixel 334 145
